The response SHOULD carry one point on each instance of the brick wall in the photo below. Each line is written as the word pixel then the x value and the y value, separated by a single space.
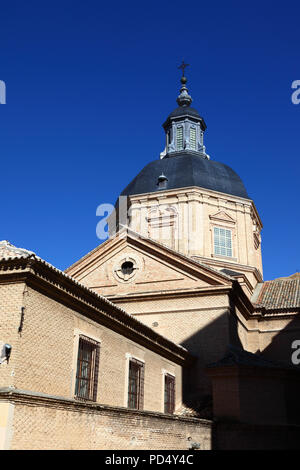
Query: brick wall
pixel 11 301
pixel 44 423
pixel 44 354
pixel 200 324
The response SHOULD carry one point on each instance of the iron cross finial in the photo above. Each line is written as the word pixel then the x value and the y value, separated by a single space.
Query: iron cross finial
pixel 183 66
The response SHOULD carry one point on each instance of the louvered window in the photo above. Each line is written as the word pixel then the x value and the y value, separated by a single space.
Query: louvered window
pixel 193 138
pixel 222 242
pixel 87 369
pixel 169 394
pixel 136 384
pixel 179 138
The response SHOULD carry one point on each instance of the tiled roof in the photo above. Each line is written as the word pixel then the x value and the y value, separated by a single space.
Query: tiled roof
pixel 10 253
pixel 7 250
pixel 280 294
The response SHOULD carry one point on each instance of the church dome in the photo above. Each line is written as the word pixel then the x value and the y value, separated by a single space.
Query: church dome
pixel 184 161
pixel 185 170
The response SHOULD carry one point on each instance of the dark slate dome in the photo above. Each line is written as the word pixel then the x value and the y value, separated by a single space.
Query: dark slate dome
pixel 186 170
pixel 183 111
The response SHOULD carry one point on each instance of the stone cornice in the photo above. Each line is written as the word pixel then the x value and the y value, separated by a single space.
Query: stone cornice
pixel 57 402
pixel 190 189
pixel 171 294
pixel 193 191
pixel 286 312
pixel 25 397
pixel 230 265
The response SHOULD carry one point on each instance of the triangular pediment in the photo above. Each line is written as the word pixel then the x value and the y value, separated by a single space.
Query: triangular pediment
pixel 222 216
pixel 130 263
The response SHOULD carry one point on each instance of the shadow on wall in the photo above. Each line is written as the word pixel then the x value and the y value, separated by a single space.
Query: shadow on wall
pixel 280 347
pixel 256 396
pixel 211 344
pixel 281 352
pixel 208 345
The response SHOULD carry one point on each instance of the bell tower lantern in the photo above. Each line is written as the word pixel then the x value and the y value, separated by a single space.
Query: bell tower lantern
pixel 184 127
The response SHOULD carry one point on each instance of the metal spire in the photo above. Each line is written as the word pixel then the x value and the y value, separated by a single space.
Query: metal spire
pixel 183 66
pixel 184 99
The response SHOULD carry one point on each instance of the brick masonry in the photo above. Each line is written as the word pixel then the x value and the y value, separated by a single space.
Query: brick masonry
pixel 43 422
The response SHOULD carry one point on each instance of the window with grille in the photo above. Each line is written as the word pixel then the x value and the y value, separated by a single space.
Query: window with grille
pixel 136 384
pixel 169 394
pixel 222 242
pixel 193 138
pixel 87 368
pixel 179 138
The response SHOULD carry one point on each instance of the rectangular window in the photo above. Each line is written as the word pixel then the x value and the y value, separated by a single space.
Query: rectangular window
pixel 136 385
pixel 222 242
pixel 193 138
pixel 169 394
pixel 87 368
pixel 179 138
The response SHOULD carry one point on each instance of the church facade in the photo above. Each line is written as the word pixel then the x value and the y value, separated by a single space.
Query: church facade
pixel 165 336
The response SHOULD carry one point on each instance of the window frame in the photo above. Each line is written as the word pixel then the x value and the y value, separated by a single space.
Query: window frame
pixel 177 137
pixel 169 393
pixel 218 247
pixel 92 347
pixel 193 130
pixel 135 400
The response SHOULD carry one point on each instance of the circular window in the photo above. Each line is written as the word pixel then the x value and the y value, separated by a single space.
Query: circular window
pixel 127 267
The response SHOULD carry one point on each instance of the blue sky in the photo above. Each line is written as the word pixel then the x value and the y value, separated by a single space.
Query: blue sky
pixel 89 85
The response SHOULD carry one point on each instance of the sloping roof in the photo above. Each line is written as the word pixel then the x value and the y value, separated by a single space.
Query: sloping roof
pixel 7 250
pixel 12 256
pixel 187 170
pixel 231 273
pixel 183 111
pixel 279 294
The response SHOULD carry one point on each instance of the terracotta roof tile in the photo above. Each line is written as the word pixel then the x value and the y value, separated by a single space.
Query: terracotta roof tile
pixel 7 250
pixel 280 293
